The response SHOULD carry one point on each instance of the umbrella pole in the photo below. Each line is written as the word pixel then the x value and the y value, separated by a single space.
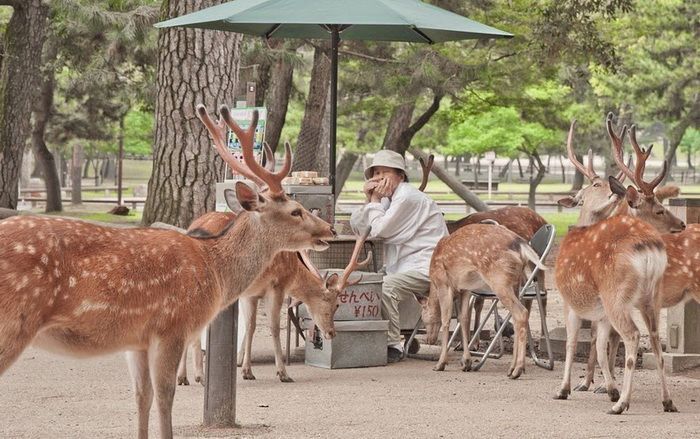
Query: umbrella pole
pixel 335 39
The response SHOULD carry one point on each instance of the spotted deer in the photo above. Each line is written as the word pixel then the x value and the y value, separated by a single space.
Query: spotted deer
pixel 681 280
pixel 289 273
pixel 609 264
pixel 477 257
pixel 83 289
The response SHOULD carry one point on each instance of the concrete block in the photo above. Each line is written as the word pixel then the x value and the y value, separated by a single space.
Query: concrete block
pixel 557 337
pixel 356 344
pixel 673 363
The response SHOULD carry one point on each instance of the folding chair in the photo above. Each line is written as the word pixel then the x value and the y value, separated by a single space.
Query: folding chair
pixel 541 242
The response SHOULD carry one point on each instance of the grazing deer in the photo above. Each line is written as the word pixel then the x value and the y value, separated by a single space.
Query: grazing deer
pixel 289 273
pixel 607 266
pixel 83 289
pixel 476 257
pixel 681 279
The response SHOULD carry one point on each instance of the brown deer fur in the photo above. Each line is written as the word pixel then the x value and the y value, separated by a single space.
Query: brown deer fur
pixel 83 289
pixel 604 269
pixel 285 274
pixel 476 257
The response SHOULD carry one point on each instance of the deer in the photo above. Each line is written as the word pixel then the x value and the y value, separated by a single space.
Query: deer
pixel 610 263
pixel 290 273
pixel 85 290
pixel 476 257
pixel 681 280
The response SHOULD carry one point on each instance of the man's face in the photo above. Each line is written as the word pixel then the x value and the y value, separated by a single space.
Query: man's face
pixel 382 172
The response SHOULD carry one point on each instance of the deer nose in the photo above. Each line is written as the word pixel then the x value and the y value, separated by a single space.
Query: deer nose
pixel 334 232
pixel 682 225
pixel 330 334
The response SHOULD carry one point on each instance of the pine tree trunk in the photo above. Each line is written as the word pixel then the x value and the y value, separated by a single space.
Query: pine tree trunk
pixel 310 135
pixel 76 175
pixel 24 39
pixel 277 100
pixel 194 67
pixel 42 113
pixel 344 168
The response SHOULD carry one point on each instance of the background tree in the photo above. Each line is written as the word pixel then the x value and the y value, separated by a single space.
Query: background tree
pixel 185 166
pixel 23 43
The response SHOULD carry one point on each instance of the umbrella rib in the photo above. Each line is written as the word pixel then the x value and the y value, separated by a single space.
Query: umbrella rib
pixel 272 30
pixel 422 35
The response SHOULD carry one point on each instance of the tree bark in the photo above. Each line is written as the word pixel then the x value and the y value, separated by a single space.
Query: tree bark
pixel 277 100
pixel 24 39
pixel 462 192
pixel 577 184
pixel 344 168
pixel 399 133
pixel 42 113
pixel 194 66
pixel 310 135
pixel 76 175
pixel 536 179
pixel 678 131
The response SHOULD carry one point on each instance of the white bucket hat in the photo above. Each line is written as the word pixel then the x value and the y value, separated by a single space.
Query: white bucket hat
pixel 388 158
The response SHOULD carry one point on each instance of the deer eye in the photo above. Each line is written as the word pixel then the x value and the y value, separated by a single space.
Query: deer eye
pixel 660 212
pixel 296 212
pixel 597 185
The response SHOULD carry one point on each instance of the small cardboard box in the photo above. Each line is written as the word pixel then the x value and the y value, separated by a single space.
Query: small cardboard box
pixel 359 343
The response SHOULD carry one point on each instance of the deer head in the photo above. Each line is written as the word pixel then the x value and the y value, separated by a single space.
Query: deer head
pixel 596 200
pixel 644 203
pixel 269 206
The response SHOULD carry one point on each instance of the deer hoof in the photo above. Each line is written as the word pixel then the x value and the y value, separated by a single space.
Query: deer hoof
pixel 182 381
pixel 602 390
pixel 669 407
pixel 563 394
pixel 466 365
pixel 199 379
pixel 515 374
pixel 248 375
pixel 619 408
pixel 614 395
pixel 581 388
pixel 439 367
pixel 285 378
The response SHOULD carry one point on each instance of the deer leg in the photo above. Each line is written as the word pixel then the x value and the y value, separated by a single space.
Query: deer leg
pixel 15 335
pixel 274 307
pixel 198 360
pixel 478 307
pixel 573 323
pixel 445 297
pixel 163 358
pixel 250 308
pixel 246 305
pixel 587 380
pixel 137 361
pixel 182 370
pixel 509 298
pixel 603 335
pixel 651 319
pixel 622 322
pixel 464 316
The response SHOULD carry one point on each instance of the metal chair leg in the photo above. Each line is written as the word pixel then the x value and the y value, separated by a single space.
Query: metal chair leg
pixel 549 364
pixel 413 335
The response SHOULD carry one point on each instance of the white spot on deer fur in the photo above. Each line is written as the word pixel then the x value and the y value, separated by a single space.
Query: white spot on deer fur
pixel 71 282
pixel 19 248
pixel 88 306
pixel 22 283
pixel 45 259
pixel 38 271
pixel 685 269
pixel 37 291
pixel 56 273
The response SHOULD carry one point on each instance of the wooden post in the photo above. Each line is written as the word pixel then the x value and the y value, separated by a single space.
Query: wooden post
pixel 76 171
pixel 220 375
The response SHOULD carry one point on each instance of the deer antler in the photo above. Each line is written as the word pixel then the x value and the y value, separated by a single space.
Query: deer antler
pixel 588 172
pixel 642 156
pixel 426 171
pixel 247 138
pixel 617 142
pixel 217 131
pixel 354 264
pixel 269 157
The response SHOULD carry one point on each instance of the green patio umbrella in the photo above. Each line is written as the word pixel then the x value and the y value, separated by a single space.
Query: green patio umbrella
pixel 378 20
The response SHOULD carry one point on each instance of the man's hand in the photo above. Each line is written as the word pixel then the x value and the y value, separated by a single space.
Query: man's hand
pixel 370 186
pixel 387 187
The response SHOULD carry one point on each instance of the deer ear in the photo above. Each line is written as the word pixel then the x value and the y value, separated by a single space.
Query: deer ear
pixel 634 199
pixel 567 202
pixel 669 191
pixel 616 187
pixel 332 281
pixel 246 196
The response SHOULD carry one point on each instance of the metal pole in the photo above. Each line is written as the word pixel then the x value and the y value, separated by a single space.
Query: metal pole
pixel 335 39
pixel 220 382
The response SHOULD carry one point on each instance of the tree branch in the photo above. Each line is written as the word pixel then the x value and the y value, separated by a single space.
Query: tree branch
pixel 425 117
pixel 12 3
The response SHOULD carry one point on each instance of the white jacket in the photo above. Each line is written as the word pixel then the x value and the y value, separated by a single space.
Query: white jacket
pixel 410 225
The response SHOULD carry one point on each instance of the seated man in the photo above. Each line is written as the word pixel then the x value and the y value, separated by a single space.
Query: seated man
pixel 410 224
